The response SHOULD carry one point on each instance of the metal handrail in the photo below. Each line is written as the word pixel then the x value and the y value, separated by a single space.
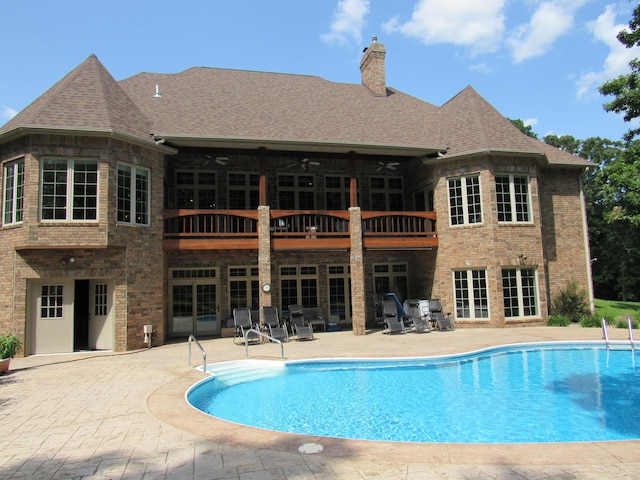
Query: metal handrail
pixel 605 333
pixel 264 335
pixel 204 354
pixel 631 339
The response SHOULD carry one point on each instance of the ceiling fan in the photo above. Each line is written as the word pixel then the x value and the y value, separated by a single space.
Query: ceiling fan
pixel 220 160
pixel 388 165
pixel 304 163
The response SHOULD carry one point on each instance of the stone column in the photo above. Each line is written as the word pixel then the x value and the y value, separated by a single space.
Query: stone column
pixel 358 304
pixel 264 254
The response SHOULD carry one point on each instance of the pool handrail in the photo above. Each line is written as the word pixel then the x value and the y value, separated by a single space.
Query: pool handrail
pixel 263 335
pixel 204 354
pixel 605 333
pixel 631 339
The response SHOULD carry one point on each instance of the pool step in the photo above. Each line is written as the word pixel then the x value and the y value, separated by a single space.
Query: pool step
pixel 232 373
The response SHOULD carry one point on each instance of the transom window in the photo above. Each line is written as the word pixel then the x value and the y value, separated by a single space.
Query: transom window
pixel 69 190
pixel 134 193
pixel 387 194
pixel 465 204
pixel 13 192
pixel 296 192
pixel 470 288
pixel 519 292
pixel 195 189
pixel 512 195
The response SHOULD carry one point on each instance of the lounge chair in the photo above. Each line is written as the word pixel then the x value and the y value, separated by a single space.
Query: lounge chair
pixel 392 321
pixel 300 328
pixel 418 314
pixel 439 319
pixel 243 323
pixel 271 322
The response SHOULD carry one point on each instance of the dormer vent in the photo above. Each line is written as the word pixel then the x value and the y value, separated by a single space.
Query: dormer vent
pixel 157 94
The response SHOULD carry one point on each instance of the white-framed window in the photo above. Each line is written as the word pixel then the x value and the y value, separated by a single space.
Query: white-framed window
pixel 387 194
pixel 69 190
pixel 195 189
pixel 244 291
pixel 13 192
pixel 519 289
pixel 465 202
pixel 52 301
pixel 296 192
pixel 134 194
pixel 513 200
pixel 391 277
pixel 471 296
pixel 298 285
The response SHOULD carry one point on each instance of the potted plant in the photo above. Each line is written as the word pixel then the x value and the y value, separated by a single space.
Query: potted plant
pixel 9 346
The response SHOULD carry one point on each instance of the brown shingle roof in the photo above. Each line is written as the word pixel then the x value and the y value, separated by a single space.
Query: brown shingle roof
pixel 221 103
pixel 87 99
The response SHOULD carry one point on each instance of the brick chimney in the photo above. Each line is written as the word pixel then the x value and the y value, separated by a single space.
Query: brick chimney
pixel 372 68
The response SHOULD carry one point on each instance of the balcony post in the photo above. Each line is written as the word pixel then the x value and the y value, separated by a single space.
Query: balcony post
pixel 358 304
pixel 264 255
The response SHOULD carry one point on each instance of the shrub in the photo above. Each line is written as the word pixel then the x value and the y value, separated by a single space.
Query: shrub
pixel 9 345
pixel 591 321
pixel 623 323
pixel 558 321
pixel 571 303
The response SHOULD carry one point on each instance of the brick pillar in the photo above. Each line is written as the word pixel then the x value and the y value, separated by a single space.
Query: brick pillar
pixel 264 254
pixel 358 307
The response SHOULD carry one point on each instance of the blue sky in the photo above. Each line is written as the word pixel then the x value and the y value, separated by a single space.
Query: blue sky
pixel 537 60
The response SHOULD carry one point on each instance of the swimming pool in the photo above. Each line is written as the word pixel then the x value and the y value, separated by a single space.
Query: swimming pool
pixel 524 393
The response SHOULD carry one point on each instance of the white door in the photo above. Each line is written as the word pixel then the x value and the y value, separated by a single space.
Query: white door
pixel 53 316
pixel 101 326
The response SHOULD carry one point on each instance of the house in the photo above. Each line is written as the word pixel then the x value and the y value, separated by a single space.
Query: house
pixel 171 199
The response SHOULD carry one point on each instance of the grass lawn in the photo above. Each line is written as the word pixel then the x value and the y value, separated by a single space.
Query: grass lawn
pixel 616 310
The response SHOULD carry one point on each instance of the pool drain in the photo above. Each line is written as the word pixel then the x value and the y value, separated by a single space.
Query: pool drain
pixel 310 448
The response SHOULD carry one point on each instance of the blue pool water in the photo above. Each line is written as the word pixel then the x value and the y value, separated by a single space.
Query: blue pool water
pixel 513 394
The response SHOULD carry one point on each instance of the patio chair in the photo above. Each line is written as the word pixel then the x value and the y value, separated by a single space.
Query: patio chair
pixel 243 323
pixel 271 322
pixel 439 319
pixel 392 322
pixel 418 314
pixel 299 327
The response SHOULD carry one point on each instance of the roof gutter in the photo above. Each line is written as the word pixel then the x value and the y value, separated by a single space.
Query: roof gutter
pixel 19 132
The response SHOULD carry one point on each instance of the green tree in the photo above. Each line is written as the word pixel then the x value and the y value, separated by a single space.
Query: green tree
pixel 626 88
pixel 526 129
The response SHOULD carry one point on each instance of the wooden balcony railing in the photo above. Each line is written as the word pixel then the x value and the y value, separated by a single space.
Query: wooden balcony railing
pixel 296 229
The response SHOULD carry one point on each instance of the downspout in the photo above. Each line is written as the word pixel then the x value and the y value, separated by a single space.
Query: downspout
pixel 587 248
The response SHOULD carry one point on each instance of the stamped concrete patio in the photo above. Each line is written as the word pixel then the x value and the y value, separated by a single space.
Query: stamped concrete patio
pixel 115 416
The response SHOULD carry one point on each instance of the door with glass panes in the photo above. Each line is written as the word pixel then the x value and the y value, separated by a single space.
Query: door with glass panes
pixel 194 305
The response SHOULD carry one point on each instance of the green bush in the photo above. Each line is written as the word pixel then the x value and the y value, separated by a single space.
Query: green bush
pixel 571 303
pixel 623 323
pixel 591 321
pixel 558 321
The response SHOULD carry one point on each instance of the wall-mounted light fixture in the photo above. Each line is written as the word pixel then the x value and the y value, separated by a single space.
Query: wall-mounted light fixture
pixel 68 260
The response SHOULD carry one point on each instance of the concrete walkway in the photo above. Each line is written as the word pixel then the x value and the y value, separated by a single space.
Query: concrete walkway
pixel 113 416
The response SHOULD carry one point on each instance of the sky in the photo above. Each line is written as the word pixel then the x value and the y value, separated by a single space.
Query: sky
pixel 540 61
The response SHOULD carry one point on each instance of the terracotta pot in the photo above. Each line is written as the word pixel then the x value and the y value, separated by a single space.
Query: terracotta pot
pixel 4 364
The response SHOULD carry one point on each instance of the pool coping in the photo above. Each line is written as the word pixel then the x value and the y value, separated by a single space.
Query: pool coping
pixel 168 404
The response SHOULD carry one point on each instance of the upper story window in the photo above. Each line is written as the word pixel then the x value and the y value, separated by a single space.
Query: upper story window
pixel 243 190
pixel 296 192
pixel 69 190
pixel 336 192
pixel 134 194
pixel 465 203
pixel 195 189
pixel 387 194
pixel 13 192
pixel 512 195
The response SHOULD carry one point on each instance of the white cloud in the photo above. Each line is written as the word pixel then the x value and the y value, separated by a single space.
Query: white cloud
pixel 551 20
pixel 347 23
pixel 481 67
pixel 530 122
pixel 478 25
pixel 605 30
pixel 7 113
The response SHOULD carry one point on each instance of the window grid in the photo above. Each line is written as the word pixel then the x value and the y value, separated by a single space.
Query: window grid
pixel 13 192
pixel 465 202
pixel 296 192
pixel 471 303
pixel 512 196
pixel 133 195
pixel 100 301
pixel 69 183
pixel 243 191
pixel 51 298
pixel 195 189
pixel 519 292
pixel 387 194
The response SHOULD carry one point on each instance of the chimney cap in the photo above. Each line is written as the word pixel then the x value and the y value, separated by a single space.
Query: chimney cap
pixel 374 39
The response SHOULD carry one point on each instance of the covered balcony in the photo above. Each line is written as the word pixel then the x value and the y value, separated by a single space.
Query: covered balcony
pixel 297 230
